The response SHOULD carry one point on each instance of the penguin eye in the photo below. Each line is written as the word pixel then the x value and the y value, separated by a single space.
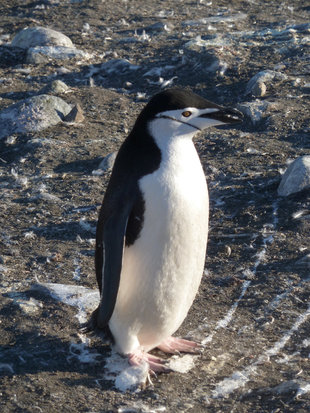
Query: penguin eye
pixel 186 114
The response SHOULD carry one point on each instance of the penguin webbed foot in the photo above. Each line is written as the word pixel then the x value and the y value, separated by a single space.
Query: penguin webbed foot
pixel 156 364
pixel 174 345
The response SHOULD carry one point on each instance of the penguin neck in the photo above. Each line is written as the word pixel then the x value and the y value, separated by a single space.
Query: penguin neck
pixel 174 147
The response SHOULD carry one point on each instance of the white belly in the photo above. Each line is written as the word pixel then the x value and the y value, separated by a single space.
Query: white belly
pixel 162 270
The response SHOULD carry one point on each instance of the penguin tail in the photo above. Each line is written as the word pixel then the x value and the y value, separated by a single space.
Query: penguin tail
pixel 91 326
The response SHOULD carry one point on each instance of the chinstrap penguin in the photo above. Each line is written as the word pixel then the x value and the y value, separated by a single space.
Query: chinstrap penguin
pixel 153 225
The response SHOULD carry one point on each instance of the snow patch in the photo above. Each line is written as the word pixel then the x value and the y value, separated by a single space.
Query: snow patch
pixel 182 364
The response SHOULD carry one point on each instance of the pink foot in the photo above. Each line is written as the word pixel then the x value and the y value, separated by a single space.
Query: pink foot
pixel 175 345
pixel 157 365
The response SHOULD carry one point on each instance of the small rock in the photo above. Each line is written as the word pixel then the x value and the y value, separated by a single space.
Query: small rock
pixel 117 66
pixel 32 115
pixel 297 177
pixel 40 36
pixel 75 115
pixel 206 54
pixel 255 110
pixel 106 164
pixel 263 77
pixel 259 89
pixel 304 262
pixel 286 387
pixel 157 27
pixel 44 196
pixel 62 70
pixel 58 87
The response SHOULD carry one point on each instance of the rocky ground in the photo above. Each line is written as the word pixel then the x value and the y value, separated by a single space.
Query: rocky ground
pixel 252 311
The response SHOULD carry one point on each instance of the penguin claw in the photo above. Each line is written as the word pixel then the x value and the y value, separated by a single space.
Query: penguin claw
pixel 174 345
pixel 156 364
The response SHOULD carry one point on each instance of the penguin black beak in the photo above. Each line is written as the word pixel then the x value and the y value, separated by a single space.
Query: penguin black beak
pixel 225 115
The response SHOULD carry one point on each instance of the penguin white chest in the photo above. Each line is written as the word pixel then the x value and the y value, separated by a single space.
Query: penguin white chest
pixel 162 270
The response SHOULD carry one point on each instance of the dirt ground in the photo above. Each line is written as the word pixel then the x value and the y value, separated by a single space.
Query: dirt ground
pixel 253 310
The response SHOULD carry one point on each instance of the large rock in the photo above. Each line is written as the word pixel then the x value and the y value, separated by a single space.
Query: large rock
pixel 32 115
pixel 296 177
pixel 43 44
pixel 40 36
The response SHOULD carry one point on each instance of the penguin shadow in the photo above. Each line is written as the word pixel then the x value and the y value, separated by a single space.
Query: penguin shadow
pixel 66 231
pixel 23 146
pixel 44 341
pixel 86 166
pixel 11 56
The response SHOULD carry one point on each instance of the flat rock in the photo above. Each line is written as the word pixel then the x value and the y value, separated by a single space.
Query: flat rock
pixel 40 54
pixel 158 27
pixel 40 36
pixel 296 178
pixel 32 115
pixel 106 164
pixel 117 66
pixel 255 110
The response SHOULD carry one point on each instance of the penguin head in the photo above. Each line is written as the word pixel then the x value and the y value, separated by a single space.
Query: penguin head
pixel 176 112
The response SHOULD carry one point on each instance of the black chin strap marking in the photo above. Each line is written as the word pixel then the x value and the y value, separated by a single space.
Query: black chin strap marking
pixel 180 121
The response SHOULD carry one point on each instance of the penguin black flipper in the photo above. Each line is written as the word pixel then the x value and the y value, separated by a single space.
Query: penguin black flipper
pixel 111 232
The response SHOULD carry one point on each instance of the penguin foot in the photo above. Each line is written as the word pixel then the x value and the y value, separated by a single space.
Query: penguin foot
pixel 156 364
pixel 174 345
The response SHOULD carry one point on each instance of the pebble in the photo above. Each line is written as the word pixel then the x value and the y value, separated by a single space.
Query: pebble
pixel 296 178
pixel 32 114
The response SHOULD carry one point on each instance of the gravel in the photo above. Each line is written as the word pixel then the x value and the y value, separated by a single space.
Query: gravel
pixel 252 312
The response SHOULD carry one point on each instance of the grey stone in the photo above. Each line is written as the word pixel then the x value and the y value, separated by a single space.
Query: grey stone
pixel 158 27
pixel 32 115
pixel 255 110
pixel 41 54
pixel 304 262
pixel 221 18
pixel 40 36
pixel 296 177
pixel 286 387
pixel 259 89
pixel 58 87
pixel 264 77
pixel 117 66
pixel 107 163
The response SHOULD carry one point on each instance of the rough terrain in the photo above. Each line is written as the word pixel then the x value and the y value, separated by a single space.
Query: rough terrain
pixel 253 310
